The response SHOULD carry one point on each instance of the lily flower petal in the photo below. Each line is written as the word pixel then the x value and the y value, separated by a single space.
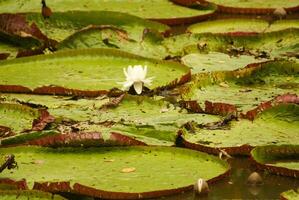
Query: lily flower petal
pixel 138 87
pixel 127 84
pixel 136 77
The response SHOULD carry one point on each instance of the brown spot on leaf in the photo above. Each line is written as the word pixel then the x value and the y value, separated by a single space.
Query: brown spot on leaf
pixel 128 170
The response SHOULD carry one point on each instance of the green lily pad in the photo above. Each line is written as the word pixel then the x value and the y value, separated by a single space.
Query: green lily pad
pixel 290 195
pixel 162 10
pixel 150 111
pixel 115 171
pixel 18 118
pixel 282 160
pixel 154 122
pixel 254 6
pixel 63 24
pixel 254 3
pixel 151 120
pixel 230 26
pixel 245 88
pixel 60 106
pixel 283 24
pixel 216 61
pixel 277 125
pixel 89 72
pixel 111 37
pixel 28 194
pixel 272 43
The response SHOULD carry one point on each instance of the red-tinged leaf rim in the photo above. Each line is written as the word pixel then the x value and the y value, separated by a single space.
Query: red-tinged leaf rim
pixel 53 187
pixel 281 99
pixel 191 106
pixel 263 156
pixel 120 139
pixel 235 10
pixel 82 189
pixel 186 2
pixel 88 139
pixel 183 77
pixel 25 53
pixel 57 90
pixel 25 138
pixel 114 101
pixel 240 150
pixel 21 184
pixel 4 56
pixel 223 109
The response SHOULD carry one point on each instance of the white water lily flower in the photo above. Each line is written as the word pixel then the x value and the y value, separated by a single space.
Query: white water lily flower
pixel 136 76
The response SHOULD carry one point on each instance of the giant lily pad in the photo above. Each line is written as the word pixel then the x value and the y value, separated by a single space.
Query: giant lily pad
pixel 273 43
pixel 283 24
pixel 245 26
pixel 253 6
pixel 277 125
pixel 245 88
pixel 239 26
pixel 17 118
pixel 216 61
pixel 148 42
pixel 282 160
pixel 151 120
pixel 88 72
pixel 162 10
pixel 60 106
pixel 63 24
pixel 134 172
